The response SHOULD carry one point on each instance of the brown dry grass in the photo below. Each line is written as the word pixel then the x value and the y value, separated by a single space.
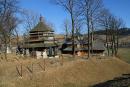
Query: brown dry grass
pixel 124 54
pixel 74 73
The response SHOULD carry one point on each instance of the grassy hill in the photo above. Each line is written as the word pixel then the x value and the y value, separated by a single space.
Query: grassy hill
pixel 122 31
pixel 124 54
pixel 73 73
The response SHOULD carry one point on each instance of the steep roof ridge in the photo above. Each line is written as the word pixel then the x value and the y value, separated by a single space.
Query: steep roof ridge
pixel 42 26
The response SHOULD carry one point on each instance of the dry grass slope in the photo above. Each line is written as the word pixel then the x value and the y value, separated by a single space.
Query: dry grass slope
pixel 124 54
pixel 77 73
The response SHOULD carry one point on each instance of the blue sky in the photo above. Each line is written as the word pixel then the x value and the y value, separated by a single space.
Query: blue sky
pixel 56 14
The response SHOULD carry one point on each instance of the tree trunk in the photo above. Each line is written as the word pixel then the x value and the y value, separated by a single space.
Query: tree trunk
pixel 88 37
pixel 92 35
pixel 117 42
pixel 5 51
pixel 73 37
pixel 112 38
pixel 107 36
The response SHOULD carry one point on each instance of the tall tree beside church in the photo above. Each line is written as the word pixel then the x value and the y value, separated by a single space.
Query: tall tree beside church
pixel 71 7
pixel 67 27
pixel 91 9
pixel 30 20
pixel 8 21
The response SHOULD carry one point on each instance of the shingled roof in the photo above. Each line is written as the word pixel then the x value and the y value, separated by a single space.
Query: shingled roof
pixel 97 45
pixel 42 27
pixel 38 45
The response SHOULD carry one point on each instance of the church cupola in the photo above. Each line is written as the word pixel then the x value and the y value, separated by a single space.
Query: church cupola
pixel 41 18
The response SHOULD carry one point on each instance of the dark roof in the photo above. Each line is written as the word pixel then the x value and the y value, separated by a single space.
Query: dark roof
pixel 42 27
pixel 76 42
pixel 78 34
pixel 97 45
pixel 76 49
pixel 37 45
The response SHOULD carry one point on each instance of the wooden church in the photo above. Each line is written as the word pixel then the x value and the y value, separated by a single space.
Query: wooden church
pixel 41 42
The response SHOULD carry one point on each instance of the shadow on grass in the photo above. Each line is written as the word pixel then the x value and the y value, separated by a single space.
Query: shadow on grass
pixel 123 81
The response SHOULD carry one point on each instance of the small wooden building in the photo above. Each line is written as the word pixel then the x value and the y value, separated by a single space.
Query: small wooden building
pixel 41 39
pixel 81 47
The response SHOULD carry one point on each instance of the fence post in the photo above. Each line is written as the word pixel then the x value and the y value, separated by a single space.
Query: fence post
pixel 21 70
pixel 61 57
pixel 44 61
pixel 32 68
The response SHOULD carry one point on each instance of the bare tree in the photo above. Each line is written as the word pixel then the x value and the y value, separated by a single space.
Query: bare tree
pixel 16 35
pixel 116 24
pixel 8 21
pixel 119 24
pixel 67 28
pixel 91 9
pixel 112 25
pixel 30 20
pixel 71 7
pixel 104 22
pixel 79 29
